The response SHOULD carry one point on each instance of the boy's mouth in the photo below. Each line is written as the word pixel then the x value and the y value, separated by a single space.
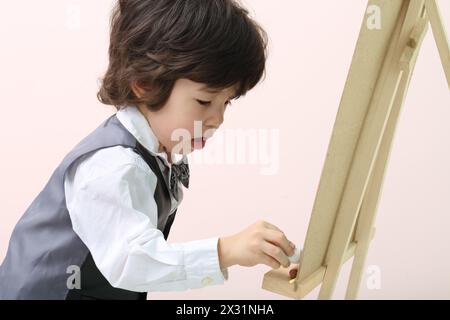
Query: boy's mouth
pixel 198 143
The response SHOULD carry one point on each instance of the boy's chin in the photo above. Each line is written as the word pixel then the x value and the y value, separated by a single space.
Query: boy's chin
pixel 180 153
pixel 187 149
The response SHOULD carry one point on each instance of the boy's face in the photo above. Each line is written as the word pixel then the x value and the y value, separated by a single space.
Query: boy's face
pixel 190 116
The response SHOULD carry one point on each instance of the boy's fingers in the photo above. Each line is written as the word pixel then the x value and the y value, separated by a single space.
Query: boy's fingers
pixel 276 253
pixel 271 262
pixel 273 227
pixel 279 239
pixel 293 273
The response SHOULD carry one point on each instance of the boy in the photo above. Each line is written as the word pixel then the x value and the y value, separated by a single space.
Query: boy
pixel 99 227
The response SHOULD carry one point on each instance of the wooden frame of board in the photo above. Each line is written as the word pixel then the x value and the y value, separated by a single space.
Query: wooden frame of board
pixel 342 220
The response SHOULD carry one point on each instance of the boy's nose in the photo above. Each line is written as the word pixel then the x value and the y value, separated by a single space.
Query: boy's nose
pixel 215 120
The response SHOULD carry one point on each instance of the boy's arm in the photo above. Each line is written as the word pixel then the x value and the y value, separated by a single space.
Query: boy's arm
pixel 113 214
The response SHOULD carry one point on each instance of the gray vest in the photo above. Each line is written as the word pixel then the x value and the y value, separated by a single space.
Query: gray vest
pixel 44 248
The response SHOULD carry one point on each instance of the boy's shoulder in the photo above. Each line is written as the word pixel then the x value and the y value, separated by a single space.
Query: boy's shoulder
pixel 110 160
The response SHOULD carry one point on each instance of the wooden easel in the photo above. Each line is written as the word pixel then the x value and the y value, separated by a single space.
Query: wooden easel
pixel 342 221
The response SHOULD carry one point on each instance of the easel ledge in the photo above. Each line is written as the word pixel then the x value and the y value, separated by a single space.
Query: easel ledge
pixel 278 280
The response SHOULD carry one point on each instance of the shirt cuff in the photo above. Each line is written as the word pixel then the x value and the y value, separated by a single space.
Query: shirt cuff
pixel 201 260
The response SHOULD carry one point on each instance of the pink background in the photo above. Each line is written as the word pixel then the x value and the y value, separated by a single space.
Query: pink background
pixel 50 65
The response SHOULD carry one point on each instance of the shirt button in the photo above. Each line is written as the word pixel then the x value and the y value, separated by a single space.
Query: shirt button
pixel 207 281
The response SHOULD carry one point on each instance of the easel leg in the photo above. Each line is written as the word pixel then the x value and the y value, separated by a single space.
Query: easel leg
pixel 369 206
pixel 439 35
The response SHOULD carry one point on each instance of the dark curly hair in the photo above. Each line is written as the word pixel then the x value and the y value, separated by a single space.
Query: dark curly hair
pixel 155 42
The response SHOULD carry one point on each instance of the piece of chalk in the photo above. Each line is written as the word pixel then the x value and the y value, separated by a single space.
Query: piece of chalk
pixel 295 258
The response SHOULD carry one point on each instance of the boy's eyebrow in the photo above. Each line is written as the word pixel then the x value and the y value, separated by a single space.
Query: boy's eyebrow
pixel 212 90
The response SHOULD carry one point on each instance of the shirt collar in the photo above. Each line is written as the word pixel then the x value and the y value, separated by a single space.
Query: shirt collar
pixel 136 123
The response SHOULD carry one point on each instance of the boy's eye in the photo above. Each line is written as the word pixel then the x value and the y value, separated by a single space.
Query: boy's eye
pixel 204 103
pixel 207 103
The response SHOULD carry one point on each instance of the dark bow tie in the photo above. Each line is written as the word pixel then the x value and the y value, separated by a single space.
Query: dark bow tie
pixel 180 172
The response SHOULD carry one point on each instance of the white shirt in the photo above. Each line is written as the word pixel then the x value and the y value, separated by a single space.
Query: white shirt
pixel 107 196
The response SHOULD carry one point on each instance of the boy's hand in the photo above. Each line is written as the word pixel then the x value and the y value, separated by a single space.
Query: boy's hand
pixel 293 272
pixel 260 243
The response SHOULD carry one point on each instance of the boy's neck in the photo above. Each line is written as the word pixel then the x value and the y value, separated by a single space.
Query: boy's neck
pixel 163 149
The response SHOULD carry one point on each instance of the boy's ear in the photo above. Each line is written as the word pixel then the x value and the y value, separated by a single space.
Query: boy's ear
pixel 137 89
